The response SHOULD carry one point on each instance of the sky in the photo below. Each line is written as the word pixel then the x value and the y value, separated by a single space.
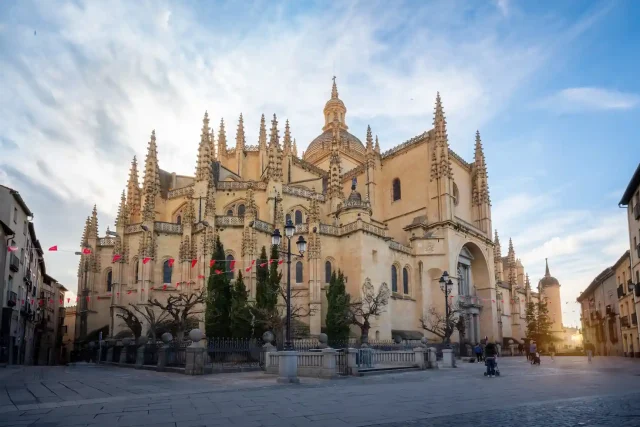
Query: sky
pixel 551 85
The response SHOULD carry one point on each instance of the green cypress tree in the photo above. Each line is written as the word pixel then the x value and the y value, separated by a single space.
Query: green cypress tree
pixel 273 293
pixel 240 314
pixel 532 322
pixel 262 283
pixel 338 320
pixel 217 322
pixel 544 322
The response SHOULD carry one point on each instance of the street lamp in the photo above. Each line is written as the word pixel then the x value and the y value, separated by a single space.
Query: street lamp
pixel 276 237
pixel 445 285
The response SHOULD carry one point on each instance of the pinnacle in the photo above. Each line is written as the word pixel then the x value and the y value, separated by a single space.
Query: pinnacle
pixel 334 89
pixel 369 138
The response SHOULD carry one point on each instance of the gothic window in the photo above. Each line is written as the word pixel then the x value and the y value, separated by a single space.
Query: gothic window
pixel 405 281
pixel 179 219
pixel 397 191
pixel 298 217
pixel 394 279
pixel 136 270
pixel 327 272
pixel 230 261
pixel 230 212
pixel 109 280
pixel 241 210
pixel 299 272
pixel 166 272
pixel 287 218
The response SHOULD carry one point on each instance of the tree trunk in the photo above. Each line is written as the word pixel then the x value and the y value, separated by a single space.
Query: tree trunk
pixel 364 333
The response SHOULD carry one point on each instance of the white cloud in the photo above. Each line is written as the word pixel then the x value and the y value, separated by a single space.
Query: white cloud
pixel 503 6
pixel 585 99
pixel 84 94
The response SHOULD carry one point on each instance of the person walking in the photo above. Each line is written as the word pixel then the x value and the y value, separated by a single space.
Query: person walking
pixel 552 350
pixel 589 349
pixel 478 350
pixel 490 352
pixel 533 349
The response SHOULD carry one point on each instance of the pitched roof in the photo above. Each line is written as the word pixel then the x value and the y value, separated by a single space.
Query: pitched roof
pixel 631 188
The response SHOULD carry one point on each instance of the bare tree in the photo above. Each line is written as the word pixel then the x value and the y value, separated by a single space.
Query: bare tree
pixel 131 320
pixel 154 321
pixel 372 303
pixel 180 307
pixel 441 325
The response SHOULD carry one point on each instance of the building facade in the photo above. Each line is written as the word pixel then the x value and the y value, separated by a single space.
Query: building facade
pixel 631 201
pixel 600 314
pixel 627 308
pixel 401 217
pixel 68 333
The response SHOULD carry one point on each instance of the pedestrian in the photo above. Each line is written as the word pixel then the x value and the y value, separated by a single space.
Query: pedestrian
pixel 478 350
pixel 552 350
pixel 588 348
pixel 490 352
pixel 533 349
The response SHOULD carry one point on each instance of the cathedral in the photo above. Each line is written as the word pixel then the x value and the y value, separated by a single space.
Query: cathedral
pixel 401 217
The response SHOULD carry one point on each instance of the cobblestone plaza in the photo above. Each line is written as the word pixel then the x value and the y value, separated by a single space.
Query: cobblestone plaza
pixel 564 392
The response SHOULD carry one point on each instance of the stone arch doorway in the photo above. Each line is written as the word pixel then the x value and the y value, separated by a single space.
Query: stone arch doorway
pixel 473 287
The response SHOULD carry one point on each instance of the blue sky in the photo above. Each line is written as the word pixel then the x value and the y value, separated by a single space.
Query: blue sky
pixel 552 87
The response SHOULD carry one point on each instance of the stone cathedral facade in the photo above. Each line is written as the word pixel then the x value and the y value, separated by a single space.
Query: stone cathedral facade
pixel 403 217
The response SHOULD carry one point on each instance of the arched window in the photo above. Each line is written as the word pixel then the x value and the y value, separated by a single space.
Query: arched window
pixel 298 217
pixel 136 270
pixel 166 272
pixel 397 191
pixel 230 266
pixel 327 272
pixel 394 279
pixel 241 210
pixel 405 281
pixel 230 212
pixel 179 219
pixel 299 272
pixel 287 218
pixel 109 280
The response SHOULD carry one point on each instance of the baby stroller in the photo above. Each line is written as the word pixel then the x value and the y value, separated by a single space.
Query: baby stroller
pixel 497 370
pixel 536 359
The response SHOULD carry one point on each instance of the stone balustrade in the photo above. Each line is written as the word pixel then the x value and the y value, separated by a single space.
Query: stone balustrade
pixel 180 192
pixel 302 192
pixel 229 221
pixel 106 241
pixel 399 247
pixel 167 227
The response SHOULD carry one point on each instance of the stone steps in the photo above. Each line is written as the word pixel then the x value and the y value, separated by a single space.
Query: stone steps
pixel 386 370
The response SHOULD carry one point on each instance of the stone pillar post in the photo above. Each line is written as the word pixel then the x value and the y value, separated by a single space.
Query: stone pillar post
pixel 163 352
pixel 142 341
pixel 432 358
pixel 288 367
pixel 267 348
pixel 352 364
pixel 110 344
pixel 329 363
pixel 195 354
pixel 123 351
pixel 419 354
pixel 448 360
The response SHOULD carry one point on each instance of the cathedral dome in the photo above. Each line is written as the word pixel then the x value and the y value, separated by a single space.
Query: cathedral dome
pixel 323 143
pixel 548 279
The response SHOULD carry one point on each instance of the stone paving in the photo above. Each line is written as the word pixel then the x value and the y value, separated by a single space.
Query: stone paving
pixel 564 392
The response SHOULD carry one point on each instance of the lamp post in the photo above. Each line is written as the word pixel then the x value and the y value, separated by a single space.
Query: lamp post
pixel 113 298
pixel 445 285
pixel 289 230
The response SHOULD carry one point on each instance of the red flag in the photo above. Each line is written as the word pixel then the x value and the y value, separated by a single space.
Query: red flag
pixel 200 276
pixel 12 248
pixel 128 292
pixel 76 299
pixel 164 287
pixel 248 269
pixel 61 301
pixel 493 300
pixel 271 261
pixel 142 290
pixel 171 261
pixel 88 297
pixel 253 262
pixel 280 262
pixel 116 257
pixel 53 248
pixel 218 272
pixel 264 264
pixel 68 300
pixel 50 300
pixel 177 284
pixel 193 262
pixel 22 301
pixel 232 264
pixel 86 251
pixel 41 302
pixel 146 260
pixel 213 261
pixel 117 294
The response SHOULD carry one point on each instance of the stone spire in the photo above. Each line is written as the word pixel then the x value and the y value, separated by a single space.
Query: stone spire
pixel 511 254
pixel 151 180
pixel 93 227
pixel 369 145
pixel 377 147
pixel 334 187
pixel 546 269
pixel 122 218
pixel 287 137
pixel 275 154
pixel 497 250
pixel 442 166
pixel 222 141
pixel 334 90
pixel 240 139
pixel 212 146
pixel 210 205
pixel 295 148
pixel 262 135
pixel 527 282
pixel 335 110
pixel 481 185
pixel 203 165
pixel 133 192
pixel 314 209
pixel 511 265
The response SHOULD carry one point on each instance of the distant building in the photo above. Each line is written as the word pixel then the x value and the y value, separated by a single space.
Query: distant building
pixel 68 331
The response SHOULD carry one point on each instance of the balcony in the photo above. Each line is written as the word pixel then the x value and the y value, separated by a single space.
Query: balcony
pixel 624 322
pixel 14 263
pixel 621 292
pixel 469 301
pixel 634 319
pixel 12 299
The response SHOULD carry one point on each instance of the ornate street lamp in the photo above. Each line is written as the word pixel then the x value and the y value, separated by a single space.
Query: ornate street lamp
pixel 445 285
pixel 276 238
